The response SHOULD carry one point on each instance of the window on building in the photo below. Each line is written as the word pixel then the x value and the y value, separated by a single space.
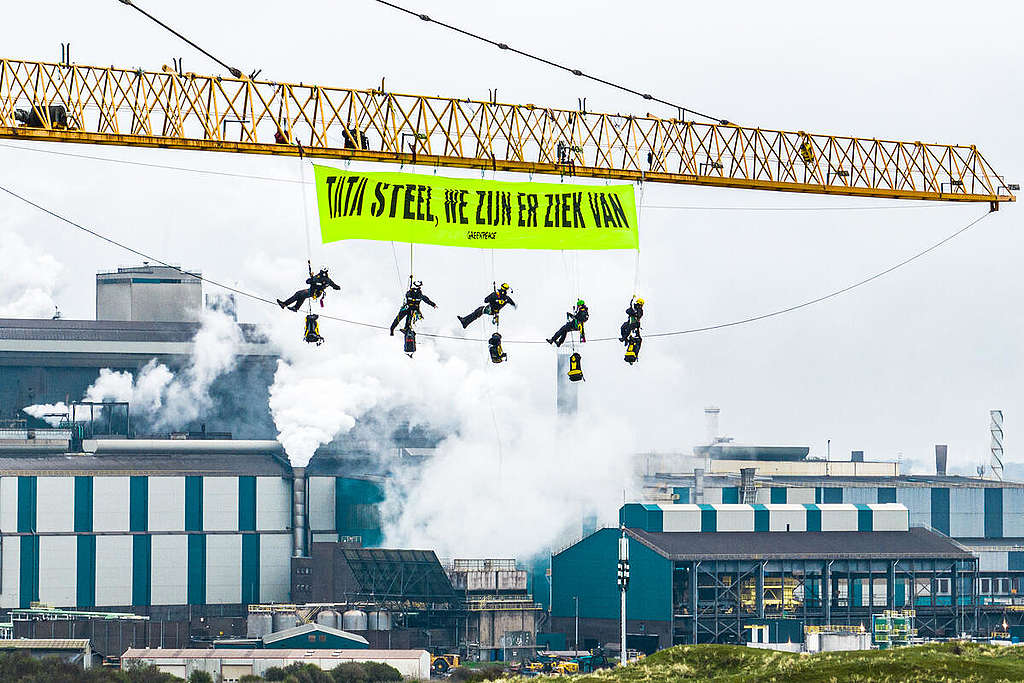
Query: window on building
pixel 984 586
pixel 1004 587
pixel 942 586
pixel 312 638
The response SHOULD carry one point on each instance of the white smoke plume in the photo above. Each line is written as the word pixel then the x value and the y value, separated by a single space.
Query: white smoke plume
pixel 29 279
pixel 167 400
pixel 51 413
pixel 510 478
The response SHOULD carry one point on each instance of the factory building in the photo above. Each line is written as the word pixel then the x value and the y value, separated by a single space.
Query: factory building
pixel 985 516
pixel 230 665
pixel 143 523
pixel 705 573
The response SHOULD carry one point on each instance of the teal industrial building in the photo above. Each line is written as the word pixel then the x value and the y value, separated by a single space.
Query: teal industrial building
pixel 704 573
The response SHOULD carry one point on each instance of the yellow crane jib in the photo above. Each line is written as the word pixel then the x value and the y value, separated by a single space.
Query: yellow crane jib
pixel 134 107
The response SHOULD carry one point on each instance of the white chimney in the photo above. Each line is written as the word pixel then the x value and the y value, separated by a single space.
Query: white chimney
pixel 711 418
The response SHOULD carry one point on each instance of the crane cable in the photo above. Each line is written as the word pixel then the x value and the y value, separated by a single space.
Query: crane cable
pixel 575 72
pixel 232 70
pixel 694 330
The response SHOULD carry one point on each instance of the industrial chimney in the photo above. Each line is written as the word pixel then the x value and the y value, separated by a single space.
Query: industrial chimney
pixel 299 512
pixel 940 459
pixel 996 428
pixel 567 393
pixel 711 418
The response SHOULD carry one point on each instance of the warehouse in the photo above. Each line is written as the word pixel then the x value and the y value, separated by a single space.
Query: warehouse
pixel 229 665
pixel 149 523
pixel 702 573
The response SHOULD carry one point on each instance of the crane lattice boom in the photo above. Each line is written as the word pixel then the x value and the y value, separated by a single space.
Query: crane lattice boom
pixel 96 105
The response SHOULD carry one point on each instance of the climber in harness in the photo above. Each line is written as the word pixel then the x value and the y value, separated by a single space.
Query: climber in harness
pixel 312 333
pixel 410 309
pixel 317 287
pixel 574 322
pixel 494 348
pixel 632 324
pixel 493 303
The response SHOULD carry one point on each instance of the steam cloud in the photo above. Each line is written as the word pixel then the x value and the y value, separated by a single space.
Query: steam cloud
pixel 29 279
pixel 164 399
pixel 509 480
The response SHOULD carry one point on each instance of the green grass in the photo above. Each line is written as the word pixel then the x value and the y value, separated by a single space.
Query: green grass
pixel 737 664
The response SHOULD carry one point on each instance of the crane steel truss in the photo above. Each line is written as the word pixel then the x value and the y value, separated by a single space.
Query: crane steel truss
pixel 189 111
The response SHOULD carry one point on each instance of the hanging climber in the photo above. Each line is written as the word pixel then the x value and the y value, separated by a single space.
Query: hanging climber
pixel 494 347
pixel 317 287
pixel 410 309
pixel 493 303
pixel 574 322
pixel 312 333
pixel 632 324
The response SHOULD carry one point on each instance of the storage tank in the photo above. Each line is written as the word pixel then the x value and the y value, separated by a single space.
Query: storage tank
pixel 328 618
pixel 259 624
pixel 379 620
pixel 285 620
pixel 354 620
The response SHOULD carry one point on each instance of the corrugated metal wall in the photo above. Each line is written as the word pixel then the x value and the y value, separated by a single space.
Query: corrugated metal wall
pixel 115 541
pixel 728 517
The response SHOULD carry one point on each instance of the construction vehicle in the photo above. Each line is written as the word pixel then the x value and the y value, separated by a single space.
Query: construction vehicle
pixel 442 664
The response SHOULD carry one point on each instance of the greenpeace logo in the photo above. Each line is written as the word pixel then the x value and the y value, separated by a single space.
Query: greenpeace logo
pixel 478 235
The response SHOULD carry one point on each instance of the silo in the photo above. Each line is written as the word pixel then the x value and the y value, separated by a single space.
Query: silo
pixel 328 618
pixel 259 624
pixel 354 620
pixel 379 620
pixel 285 620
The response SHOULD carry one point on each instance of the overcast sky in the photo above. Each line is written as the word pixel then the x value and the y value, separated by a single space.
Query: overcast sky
pixel 914 359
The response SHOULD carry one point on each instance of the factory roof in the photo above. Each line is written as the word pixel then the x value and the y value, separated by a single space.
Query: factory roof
pixel 102 343
pixel 288 633
pixel 156 465
pixel 44 644
pixel 802 545
pixel 806 481
pixel 231 653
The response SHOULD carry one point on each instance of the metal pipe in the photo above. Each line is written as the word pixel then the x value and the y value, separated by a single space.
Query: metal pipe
pixel 299 512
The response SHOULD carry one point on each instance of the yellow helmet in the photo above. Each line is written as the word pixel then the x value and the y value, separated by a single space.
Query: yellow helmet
pixel 504 285
pixel 640 301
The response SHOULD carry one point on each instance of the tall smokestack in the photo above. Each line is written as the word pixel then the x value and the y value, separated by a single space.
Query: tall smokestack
pixel 941 451
pixel 567 393
pixel 711 418
pixel 299 512
pixel 996 427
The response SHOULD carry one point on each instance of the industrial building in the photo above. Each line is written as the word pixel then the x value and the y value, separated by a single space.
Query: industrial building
pixel 229 665
pixel 706 573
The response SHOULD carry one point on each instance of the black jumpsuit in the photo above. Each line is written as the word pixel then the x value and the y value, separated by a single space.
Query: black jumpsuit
pixel 318 284
pixel 632 324
pixel 575 322
pixel 410 310
pixel 493 303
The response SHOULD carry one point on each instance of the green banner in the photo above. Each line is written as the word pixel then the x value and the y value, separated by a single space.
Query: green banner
pixel 486 214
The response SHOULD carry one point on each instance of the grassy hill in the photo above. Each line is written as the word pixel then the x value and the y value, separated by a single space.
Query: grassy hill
pixel 737 664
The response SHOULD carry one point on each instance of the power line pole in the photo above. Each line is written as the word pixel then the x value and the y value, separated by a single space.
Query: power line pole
pixel 623 580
